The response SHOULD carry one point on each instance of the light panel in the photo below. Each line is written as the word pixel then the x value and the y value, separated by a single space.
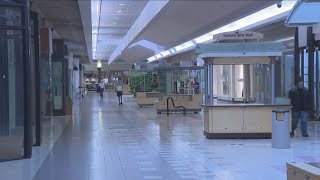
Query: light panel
pixel 95 18
pixel 261 15
pixel 151 59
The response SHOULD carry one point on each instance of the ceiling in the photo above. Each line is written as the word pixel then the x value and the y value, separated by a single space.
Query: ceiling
pixel 115 19
pixel 180 21
pixel 176 22
pixel 64 17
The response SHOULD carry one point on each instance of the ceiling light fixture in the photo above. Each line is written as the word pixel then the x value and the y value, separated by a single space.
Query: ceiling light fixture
pixel 261 15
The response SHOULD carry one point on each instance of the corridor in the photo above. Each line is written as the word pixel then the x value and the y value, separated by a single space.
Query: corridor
pixel 108 141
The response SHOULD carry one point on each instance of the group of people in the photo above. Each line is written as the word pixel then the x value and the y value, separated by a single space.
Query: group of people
pixel 118 89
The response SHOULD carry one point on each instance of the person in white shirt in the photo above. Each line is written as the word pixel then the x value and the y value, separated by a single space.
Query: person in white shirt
pixel 119 88
pixel 101 88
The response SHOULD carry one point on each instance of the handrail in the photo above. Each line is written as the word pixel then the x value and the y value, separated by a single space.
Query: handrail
pixel 184 109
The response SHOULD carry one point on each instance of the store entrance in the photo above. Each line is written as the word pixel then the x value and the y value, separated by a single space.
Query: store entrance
pixel 11 97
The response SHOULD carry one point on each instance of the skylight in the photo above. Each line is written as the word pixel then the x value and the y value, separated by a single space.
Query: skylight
pixel 95 18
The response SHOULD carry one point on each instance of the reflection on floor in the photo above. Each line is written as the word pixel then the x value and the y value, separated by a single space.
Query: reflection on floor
pixel 26 169
pixel 108 141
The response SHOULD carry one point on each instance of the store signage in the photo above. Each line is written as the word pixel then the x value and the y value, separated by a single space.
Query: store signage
pixel 238 35
pixel 185 63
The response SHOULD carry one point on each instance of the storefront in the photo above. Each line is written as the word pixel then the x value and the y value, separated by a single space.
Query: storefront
pixel 15 111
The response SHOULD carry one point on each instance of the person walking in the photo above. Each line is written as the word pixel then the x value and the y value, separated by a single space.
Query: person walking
pixel 101 87
pixel 119 88
pixel 299 100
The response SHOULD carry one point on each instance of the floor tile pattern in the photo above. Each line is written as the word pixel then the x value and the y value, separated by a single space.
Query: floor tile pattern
pixel 108 141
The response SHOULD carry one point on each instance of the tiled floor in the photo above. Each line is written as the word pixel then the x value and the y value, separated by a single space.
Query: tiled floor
pixel 26 169
pixel 108 141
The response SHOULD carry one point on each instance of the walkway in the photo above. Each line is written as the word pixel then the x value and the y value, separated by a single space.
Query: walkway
pixel 108 141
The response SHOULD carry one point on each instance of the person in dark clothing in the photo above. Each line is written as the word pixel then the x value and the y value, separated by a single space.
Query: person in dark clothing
pixel 299 100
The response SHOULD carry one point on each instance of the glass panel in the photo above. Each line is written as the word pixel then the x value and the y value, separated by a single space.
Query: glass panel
pixel 11 95
pixel 10 16
pixel 232 81
pixel 287 79
pixel 58 86
pixel 238 80
pixel 32 82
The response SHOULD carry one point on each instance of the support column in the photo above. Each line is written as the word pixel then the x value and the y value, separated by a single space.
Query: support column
pixel 206 70
pixel 273 83
pixel 99 75
pixel 233 81
pixel 296 57
pixel 209 95
pixel 310 38
pixel 317 84
pixel 302 64
pixel 246 81
pixel 81 75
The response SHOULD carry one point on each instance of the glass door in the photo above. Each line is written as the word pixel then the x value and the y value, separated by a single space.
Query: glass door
pixel 11 98
pixel 15 125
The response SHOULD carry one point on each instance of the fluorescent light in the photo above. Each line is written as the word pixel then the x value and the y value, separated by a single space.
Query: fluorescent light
pixel 158 56
pixel 165 53
pixel 95 18
pixel 121 4
pixel 150 59
pixel 285 39
pixel 256 17
pixel 184 46
pixel 261 15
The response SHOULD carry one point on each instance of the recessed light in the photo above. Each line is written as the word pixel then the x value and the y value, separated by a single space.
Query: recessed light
pixel 121 4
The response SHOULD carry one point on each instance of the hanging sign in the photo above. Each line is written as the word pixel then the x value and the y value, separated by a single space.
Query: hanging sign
pixel 238 35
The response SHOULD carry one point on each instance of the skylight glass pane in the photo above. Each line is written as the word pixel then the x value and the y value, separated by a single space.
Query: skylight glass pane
pixel 305 14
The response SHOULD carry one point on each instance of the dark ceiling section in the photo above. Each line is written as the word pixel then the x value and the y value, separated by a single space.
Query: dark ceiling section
pixel 64 17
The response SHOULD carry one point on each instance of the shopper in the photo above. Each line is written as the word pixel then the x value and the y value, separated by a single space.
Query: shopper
pixel 299 96
pixel 101 87
pixel 119 88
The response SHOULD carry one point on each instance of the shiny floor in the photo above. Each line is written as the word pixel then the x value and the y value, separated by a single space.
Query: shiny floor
pixel 52 128
pixel 108 141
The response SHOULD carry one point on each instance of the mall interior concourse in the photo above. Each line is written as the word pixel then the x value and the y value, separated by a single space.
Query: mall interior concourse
pixel 171 90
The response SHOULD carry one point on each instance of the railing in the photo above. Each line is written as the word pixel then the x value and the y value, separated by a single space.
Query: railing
pixel 184 109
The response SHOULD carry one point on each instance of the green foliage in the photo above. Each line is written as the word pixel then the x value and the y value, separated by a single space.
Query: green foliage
pixel 143 83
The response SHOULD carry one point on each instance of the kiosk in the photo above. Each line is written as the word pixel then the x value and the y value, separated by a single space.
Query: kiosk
pixel 182 84
pixel 250 116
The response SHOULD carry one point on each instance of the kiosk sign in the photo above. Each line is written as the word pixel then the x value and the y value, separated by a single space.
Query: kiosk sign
pixel 238 35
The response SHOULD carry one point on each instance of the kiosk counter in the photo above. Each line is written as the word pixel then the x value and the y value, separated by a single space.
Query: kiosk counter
pixel 239 120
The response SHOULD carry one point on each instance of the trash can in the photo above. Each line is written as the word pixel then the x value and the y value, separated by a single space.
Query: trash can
pixel 280 129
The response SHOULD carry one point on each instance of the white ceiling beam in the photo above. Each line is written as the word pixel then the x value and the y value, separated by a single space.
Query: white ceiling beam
pixel 147 14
